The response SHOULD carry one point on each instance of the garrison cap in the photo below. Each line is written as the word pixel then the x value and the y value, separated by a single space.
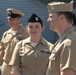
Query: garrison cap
pixel 35 18
pixel 60 7
pixel 13 13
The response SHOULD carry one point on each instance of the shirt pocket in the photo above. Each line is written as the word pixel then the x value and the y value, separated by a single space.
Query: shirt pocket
pixel 26 55
pixel 7 39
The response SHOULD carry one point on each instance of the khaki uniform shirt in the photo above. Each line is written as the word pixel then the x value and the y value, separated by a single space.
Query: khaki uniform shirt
pixel 32 60
pixel 9 41
pixel 65 53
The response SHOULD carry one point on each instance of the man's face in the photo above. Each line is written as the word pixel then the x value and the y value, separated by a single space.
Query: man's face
pixel 13 21
pixel 54 21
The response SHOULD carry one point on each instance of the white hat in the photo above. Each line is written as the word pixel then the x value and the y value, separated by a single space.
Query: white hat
pixel 13 13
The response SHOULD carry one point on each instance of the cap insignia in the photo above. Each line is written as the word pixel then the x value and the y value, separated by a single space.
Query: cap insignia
pixel 52 8
pixel 36 18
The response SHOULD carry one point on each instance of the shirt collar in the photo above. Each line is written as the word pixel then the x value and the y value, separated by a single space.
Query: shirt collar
pixel 68 31
pixel 42 41
pixel 20 31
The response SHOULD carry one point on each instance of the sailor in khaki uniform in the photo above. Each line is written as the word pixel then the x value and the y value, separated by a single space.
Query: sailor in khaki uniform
pixel 16 33
pixel 62 59
pixel 32 54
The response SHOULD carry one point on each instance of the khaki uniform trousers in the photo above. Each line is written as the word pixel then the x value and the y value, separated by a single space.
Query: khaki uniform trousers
pixel 6 69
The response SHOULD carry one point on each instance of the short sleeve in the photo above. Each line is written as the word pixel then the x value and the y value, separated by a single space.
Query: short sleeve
pixel 1 43
pixel 1 46
pixel 15 60
pixel 68 56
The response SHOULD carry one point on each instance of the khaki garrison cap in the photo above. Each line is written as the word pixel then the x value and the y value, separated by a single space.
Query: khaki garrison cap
pixel 13 13
pixel 60 7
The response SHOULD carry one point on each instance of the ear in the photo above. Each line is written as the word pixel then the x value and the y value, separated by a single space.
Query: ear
pixel 26 27
pixel 61 17
pixel 43 28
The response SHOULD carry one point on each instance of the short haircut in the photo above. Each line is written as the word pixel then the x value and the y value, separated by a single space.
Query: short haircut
pixel 68 15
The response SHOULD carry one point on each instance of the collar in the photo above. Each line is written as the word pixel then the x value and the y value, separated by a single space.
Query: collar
pixel 67 32
pixel 42 41
pixel 20 31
